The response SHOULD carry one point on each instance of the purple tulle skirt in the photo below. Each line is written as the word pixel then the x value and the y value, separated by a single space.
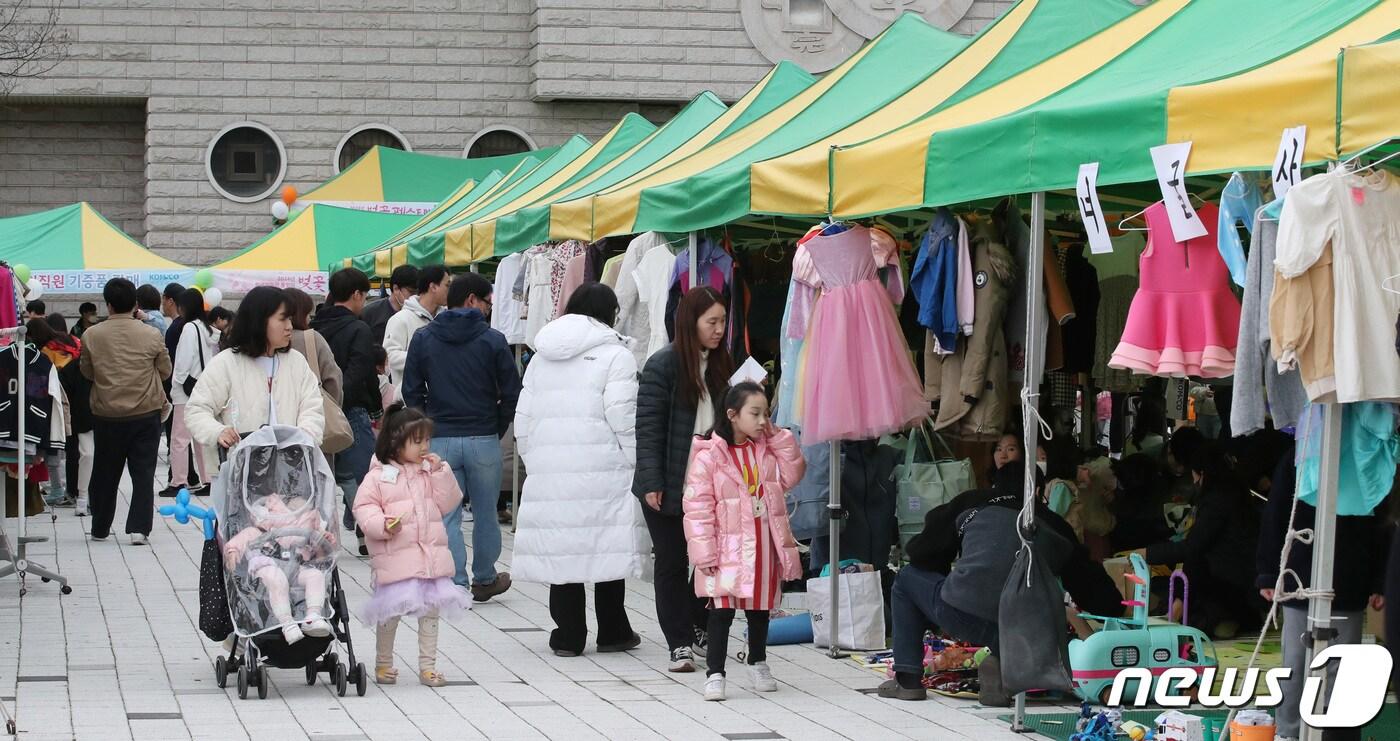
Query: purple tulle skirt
pixel 416 598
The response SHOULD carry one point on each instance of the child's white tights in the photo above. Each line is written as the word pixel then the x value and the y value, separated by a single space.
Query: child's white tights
pixel 427 642
pixel 279 594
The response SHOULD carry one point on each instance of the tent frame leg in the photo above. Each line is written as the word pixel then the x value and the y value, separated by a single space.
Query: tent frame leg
pixel 833 508
pixel 1324 545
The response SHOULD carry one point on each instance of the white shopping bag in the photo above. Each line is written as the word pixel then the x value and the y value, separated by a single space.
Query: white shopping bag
pixel 861 611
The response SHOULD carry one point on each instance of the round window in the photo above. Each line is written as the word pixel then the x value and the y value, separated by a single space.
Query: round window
pixel 498 141
pixel 246 162
pixel 360 140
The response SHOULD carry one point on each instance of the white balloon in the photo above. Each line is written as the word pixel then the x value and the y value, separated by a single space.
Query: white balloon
pixel 212 297
pixel 279 210
pixel 33 289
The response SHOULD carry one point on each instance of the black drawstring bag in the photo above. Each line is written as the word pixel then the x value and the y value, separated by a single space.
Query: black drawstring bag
pixel 214 620
pixel 1034 653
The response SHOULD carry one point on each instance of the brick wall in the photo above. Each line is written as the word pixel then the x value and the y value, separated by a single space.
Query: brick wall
pixel 53 155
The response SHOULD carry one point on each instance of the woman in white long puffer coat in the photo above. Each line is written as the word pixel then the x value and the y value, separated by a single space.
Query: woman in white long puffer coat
pixel 574 427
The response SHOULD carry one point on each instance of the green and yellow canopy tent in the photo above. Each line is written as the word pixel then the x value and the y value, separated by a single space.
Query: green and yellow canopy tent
pixel 901 75
pixel 296 253
pixel 424 243
pixel 1226 75
pixel 394 181
pixel 778 86
pixel 74 249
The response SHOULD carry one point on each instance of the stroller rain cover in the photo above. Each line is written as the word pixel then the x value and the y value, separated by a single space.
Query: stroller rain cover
pixel 276 498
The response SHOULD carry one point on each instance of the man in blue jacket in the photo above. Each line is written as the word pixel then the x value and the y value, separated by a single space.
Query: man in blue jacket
pixel 461 373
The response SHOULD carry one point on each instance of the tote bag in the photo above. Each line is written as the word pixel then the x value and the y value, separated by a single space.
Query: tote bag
pixel 860 611
pixel 1035 655
pixel 214 620
pixel 337 436
pixel 924 485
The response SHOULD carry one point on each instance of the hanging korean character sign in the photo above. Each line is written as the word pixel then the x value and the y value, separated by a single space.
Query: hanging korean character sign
pixel 1288 163
pixel 1170 162
pixel 1086 190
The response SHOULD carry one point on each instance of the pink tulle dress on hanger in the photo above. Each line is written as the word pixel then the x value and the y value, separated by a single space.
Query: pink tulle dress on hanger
pixel 1184 321
pixel 858 380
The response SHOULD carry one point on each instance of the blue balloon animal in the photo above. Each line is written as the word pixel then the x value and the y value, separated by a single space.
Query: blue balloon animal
pixel 183 509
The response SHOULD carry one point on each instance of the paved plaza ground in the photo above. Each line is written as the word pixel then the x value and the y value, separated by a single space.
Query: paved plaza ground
pixel 121 658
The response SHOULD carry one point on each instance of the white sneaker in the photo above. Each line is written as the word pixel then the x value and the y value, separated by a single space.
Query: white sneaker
pixel 139 539
pixel 316 626
pixel 82 507
pixel 762 677
pixel 682 660
pixel 292 634
pixel 714 687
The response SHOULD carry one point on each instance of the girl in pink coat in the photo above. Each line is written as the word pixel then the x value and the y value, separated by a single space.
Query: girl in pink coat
pixel 736 527
pixel 400 506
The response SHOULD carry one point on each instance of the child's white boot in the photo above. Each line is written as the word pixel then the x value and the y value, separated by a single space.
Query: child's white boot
pixel 762 677
pixel 315 625
pixel 292 633
pixel 714 687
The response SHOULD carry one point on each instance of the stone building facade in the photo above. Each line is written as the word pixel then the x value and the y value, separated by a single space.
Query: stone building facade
pixel 130 120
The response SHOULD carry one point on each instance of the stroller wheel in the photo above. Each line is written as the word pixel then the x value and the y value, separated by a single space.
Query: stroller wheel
pixel 329 662
pixel 242 682
pixel 220 672
pixel 262 683
pixel 340 679
pixel 311 673
pixel 361 680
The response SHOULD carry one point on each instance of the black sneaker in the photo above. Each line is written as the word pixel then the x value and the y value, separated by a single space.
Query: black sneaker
pixel 682 660
pixel 169 492
pixel 990 691
pixel 893 690
pixel 200 490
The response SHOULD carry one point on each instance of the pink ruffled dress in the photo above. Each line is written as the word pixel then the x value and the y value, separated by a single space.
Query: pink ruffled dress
pixel 1184 321
pixel 858 380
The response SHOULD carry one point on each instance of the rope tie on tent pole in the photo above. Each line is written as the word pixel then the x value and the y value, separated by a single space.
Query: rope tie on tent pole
pixel 1026 520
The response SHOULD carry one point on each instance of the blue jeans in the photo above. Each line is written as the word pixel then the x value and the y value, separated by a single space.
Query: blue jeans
pixel 352 464
pixel 476 462
pixel 917 605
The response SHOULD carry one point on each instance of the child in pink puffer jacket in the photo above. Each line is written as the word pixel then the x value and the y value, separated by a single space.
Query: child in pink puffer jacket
pixel 736 527
pixel 400 506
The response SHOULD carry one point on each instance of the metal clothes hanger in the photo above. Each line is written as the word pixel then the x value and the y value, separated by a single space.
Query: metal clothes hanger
pixel 1121 224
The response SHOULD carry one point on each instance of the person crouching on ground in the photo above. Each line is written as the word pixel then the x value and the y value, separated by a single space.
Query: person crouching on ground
pixel 738 475
pixel 400 506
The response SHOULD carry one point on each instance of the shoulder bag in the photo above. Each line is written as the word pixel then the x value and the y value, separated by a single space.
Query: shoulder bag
pixel 337 436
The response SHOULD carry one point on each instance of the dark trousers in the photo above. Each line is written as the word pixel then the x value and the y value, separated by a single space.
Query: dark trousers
pixel 70 466
pixel 717 650
pixel 134 445
pixel 567 604
pixel 678 610
pixel 916 604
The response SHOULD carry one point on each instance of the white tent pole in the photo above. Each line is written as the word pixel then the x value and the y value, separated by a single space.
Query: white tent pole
pixel 1035 267
pixel 694 248
pixel 515 466
pixel 833 508
pixel 1324 544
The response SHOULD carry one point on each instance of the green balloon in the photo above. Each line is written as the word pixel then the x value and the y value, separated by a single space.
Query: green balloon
pixel 204 278
pixel 21 272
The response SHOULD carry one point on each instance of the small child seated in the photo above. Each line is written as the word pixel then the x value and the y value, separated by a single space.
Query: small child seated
pixel 270 513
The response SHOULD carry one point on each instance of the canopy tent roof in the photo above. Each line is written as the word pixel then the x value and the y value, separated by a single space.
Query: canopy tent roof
pixel 315 237
pixel 779 85
pixel 529 225
pixel 392 175
pixel 75 237
pixel 1227 75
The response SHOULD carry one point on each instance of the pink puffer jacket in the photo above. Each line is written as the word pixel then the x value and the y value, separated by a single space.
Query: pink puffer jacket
pixel 719 512
pixel 419 498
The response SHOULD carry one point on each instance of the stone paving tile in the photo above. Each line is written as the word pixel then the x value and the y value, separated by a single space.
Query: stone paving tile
pixel 122 658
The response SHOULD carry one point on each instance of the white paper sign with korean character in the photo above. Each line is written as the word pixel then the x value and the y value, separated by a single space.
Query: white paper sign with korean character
pixel 1086 190
pixel 1170 162
pixel 1288 163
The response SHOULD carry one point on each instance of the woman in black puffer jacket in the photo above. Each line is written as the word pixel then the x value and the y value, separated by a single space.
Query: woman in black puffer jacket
pixel 680 390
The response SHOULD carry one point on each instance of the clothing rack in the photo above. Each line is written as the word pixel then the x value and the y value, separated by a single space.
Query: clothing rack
pixel 12 557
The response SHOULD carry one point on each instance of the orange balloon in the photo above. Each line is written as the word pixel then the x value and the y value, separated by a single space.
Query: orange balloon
pixel 289 195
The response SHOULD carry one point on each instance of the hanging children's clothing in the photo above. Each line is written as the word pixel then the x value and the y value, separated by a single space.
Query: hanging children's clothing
pixel 1359 216
pixel 632 318
pixel 933 280
pixel 505 311
pixel 1238 204
pixel 1368 455
pixel 1261 391
pixel 1184 320
pixel 652 277
pixel 969 386
pixel 858 379
pixel 1080 333
pixel 1118 281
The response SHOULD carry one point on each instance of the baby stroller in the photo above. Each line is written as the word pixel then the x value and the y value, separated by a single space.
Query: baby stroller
pixel 277 523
